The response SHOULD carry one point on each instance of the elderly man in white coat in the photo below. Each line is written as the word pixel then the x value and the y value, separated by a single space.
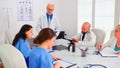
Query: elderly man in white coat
pixel 48 20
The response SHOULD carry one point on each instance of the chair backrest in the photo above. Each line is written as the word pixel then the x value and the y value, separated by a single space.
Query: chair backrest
pixel 6 37
pixel 100 35
pixel 2 38
pixel 112 33
pixel 11 57
pixel 9 36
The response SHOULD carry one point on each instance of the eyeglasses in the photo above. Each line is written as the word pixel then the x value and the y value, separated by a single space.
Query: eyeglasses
pixel 50 9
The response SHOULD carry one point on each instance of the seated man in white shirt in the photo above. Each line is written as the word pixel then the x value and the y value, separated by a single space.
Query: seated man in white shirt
pixel 86 38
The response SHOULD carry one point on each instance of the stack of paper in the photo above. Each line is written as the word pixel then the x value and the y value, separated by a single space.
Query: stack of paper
pixel 108 52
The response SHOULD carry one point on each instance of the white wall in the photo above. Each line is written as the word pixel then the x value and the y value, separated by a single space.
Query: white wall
pixel 117 13
pixel 7 15
pixel 68 16
pixel 66 12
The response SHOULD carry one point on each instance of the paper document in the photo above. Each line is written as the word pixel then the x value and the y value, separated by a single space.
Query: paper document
pixel 66 64
pixel 108 52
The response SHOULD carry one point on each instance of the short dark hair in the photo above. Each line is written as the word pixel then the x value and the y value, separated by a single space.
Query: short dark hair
pixel 21 33
pixel 44 34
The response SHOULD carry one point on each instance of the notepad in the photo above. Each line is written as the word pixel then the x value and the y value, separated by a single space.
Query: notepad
pixel 108 52
pixel 66 64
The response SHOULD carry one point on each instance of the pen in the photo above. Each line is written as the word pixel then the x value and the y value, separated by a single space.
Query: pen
pixel 70 65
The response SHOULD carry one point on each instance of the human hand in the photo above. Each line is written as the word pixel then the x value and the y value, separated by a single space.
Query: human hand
pixel 118 52
pixel 75 40
pixel 57 65
pixel 55 57
pixel 99 46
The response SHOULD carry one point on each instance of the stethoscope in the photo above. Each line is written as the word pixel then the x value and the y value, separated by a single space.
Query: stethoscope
pixel 94 65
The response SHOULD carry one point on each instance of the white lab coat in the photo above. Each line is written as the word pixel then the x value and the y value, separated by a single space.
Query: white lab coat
pixel 110 43
pixel 43 23
pixel 89 39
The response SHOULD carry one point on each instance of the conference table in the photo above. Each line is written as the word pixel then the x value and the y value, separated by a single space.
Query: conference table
pixel 90 58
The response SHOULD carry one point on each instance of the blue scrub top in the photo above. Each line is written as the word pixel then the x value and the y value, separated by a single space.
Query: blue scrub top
pixel 40 58
pixel 24 47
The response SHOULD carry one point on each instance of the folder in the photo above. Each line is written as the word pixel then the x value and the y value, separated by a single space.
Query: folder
pixel 108 52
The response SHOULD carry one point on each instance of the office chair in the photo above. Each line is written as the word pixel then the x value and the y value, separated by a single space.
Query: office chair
pixel 9 36
pixel 6 37
pixel 112 33
pixel 2 38
pixel 100 35
pixel 11 57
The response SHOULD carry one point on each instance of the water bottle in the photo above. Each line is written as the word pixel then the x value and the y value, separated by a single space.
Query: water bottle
pixel 73 47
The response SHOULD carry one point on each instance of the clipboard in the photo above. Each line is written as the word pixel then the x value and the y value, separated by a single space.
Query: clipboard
pixel 108 52
pixel 66 64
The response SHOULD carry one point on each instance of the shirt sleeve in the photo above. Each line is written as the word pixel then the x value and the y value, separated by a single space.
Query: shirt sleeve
pixel 110 43
pixel 89 41
pixel 24 47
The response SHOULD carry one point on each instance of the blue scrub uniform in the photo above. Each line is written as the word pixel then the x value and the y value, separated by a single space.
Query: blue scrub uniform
pixel 40 58
pixel 24 47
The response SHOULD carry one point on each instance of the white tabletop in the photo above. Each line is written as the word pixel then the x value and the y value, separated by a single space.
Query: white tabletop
pixel 109 62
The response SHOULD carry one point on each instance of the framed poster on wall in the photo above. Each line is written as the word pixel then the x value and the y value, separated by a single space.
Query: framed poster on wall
pixel 24 10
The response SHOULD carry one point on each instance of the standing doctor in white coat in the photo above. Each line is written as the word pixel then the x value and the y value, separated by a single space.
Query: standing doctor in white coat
pixel 48 20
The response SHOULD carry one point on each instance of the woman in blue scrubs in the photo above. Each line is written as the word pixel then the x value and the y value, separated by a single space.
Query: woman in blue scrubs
pixel 39 56
pixel 21 43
